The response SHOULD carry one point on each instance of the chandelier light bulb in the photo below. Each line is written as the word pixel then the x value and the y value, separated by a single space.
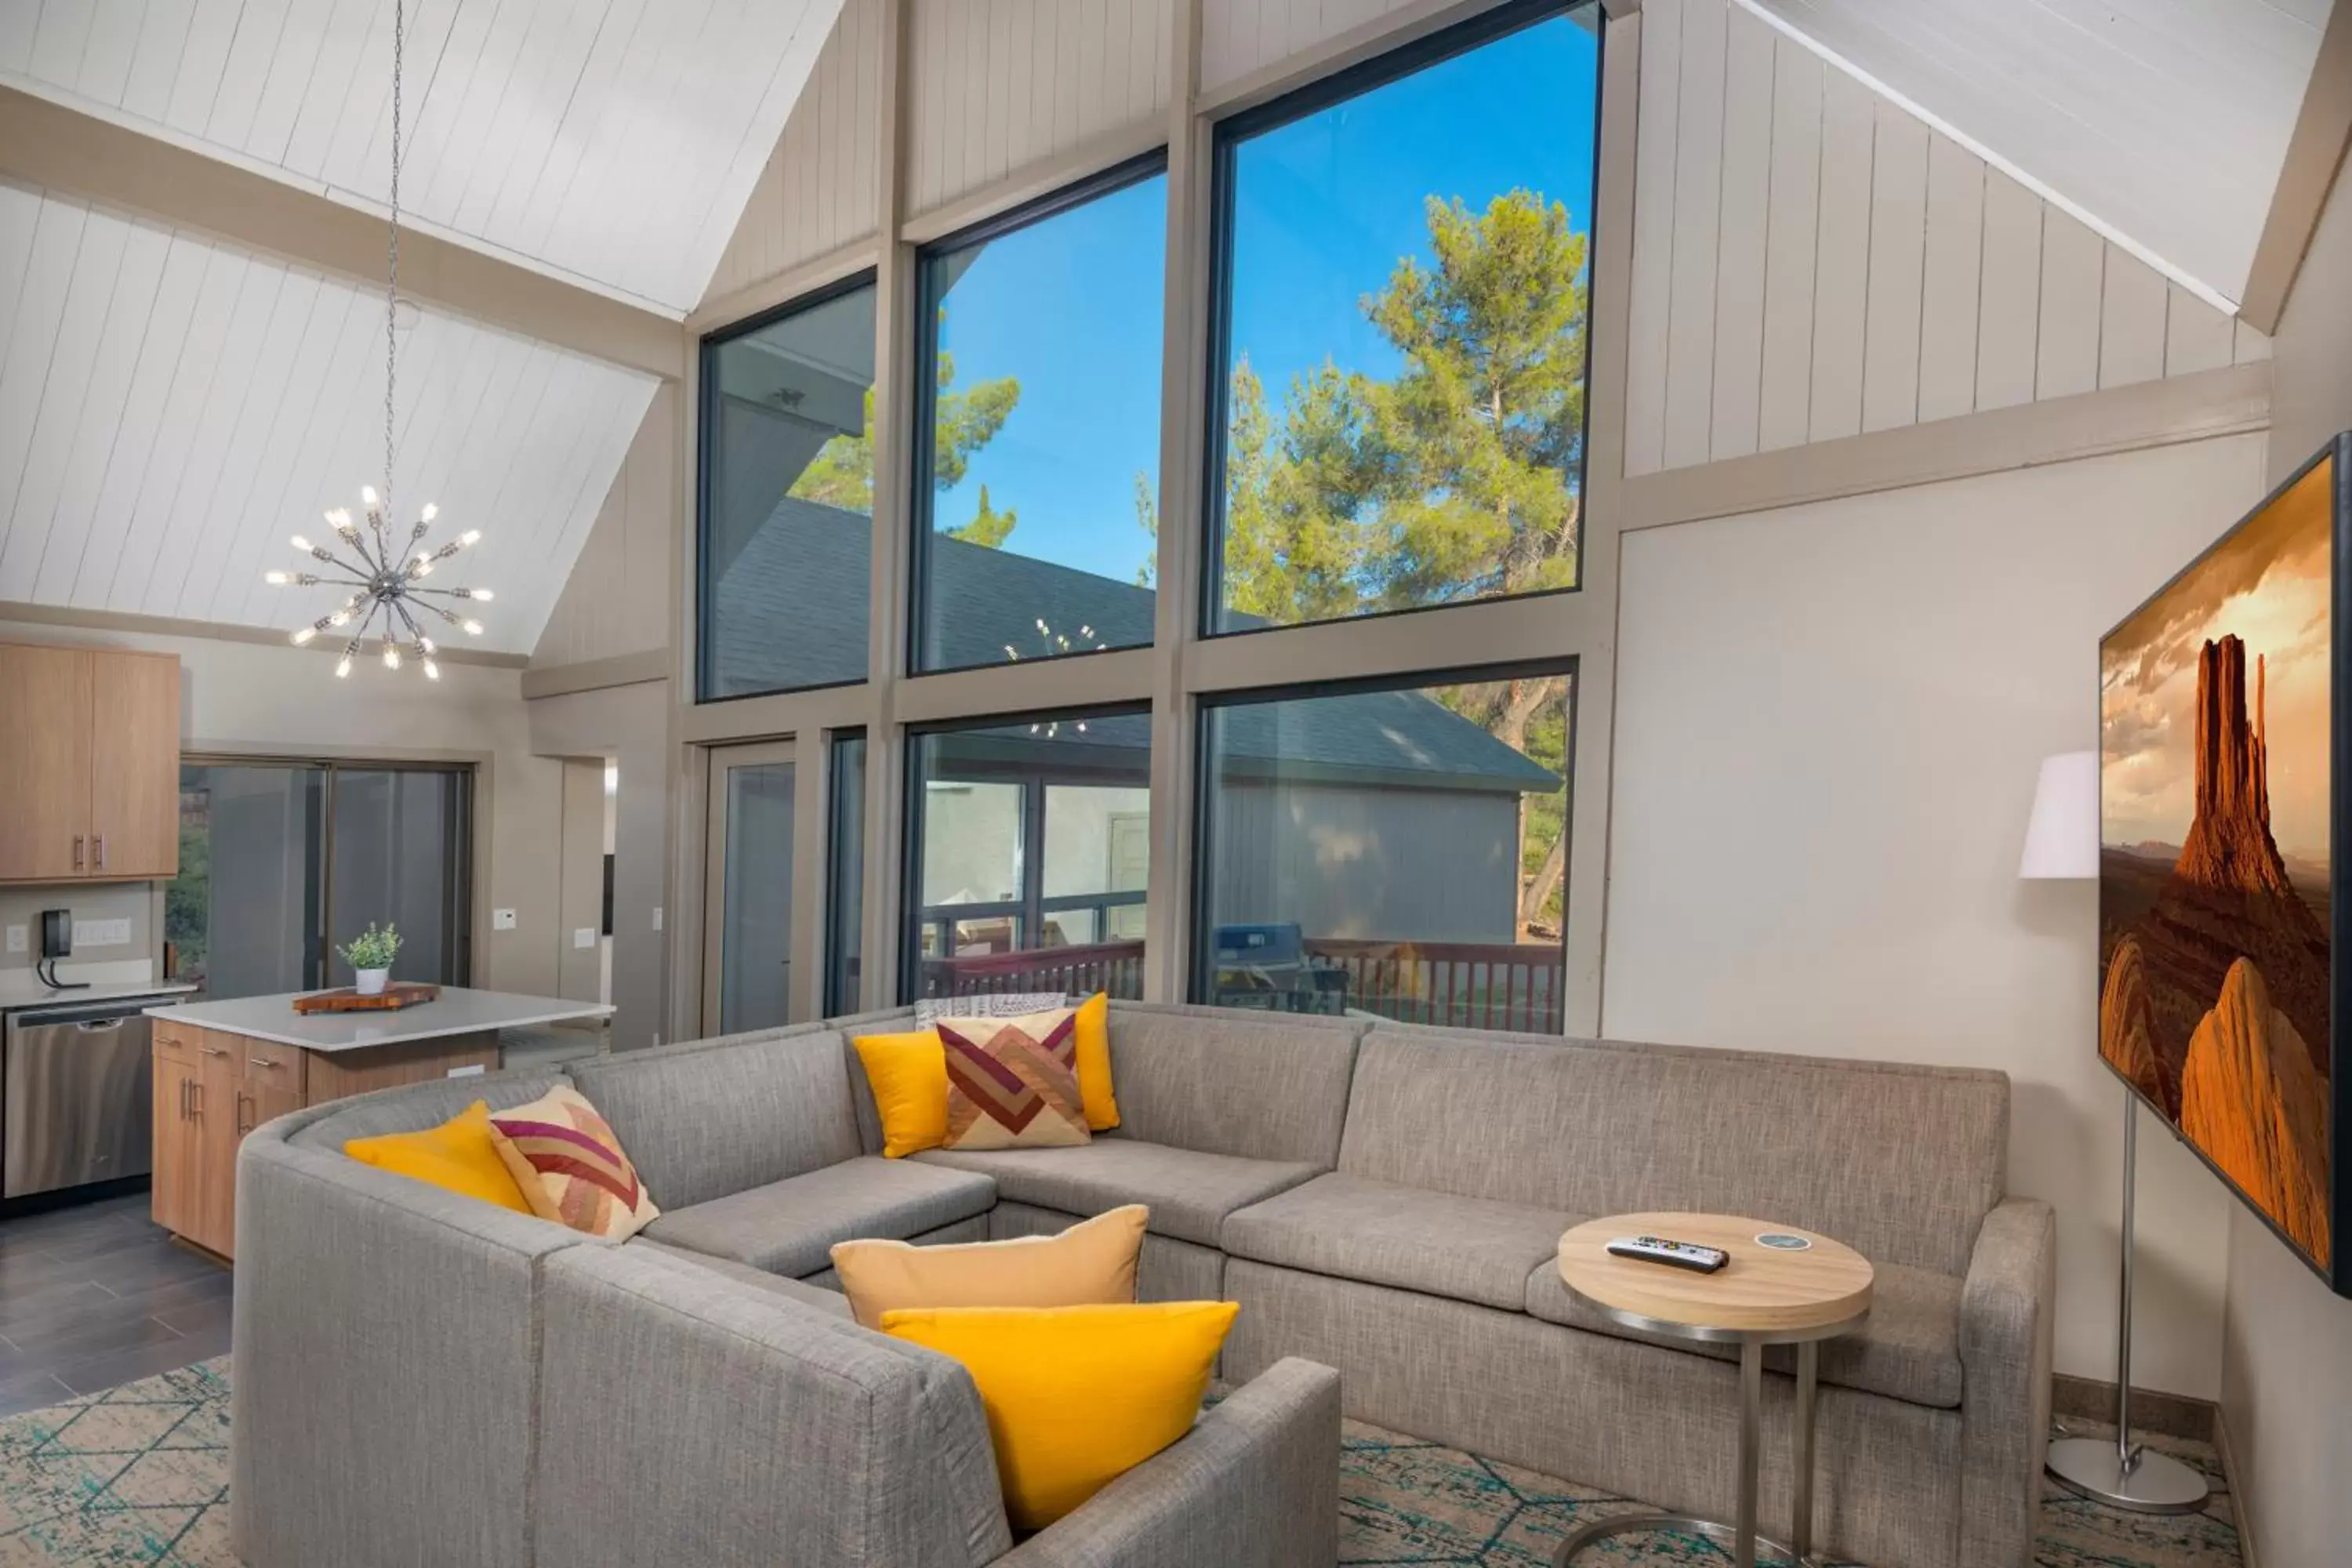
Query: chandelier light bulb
pixel 425 645
pixel 390 655
pixel 275 579
pixel 367 494
pixel 430 512
pixel 472 629
pixel 432 670
pixel 305 634
pixel 343 668
pixel 470 536
pixel 301 543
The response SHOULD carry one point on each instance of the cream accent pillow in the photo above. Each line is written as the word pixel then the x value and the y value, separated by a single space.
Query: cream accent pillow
pixel 1090 1264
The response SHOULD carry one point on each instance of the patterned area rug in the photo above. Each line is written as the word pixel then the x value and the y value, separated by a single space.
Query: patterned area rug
pixel 139 1475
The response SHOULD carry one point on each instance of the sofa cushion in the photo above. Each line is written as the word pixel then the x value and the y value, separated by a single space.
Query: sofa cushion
pixel 1920 1155
pixel 1254 1086
pixel 1473 1249
pixel 790 1226
pixel 832 1303
pixel 1908 1349
pixel 1189 1193
pixel 702 1122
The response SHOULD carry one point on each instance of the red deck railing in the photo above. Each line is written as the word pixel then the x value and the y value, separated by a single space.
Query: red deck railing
pixel 1480 985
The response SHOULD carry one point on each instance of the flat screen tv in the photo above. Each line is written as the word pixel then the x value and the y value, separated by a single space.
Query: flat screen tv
pixel 2223 934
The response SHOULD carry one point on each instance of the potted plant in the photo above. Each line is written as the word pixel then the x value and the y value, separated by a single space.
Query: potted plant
pixel 369 954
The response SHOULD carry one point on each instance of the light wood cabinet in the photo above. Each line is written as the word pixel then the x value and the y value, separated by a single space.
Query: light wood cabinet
pixel 91 772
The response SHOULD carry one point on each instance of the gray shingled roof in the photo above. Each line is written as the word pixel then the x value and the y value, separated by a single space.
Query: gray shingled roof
pixel 792 612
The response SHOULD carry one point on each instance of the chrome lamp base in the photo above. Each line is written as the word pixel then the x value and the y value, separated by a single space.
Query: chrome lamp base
pixel 1630 1523
pixel 2143 1482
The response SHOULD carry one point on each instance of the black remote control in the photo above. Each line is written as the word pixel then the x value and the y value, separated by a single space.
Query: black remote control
pixel 1674 1254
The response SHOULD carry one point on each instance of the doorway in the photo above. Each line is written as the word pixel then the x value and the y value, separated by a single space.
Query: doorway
pixel 748 889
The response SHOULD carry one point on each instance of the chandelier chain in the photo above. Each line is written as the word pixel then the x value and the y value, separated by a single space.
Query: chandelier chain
pixel 392 262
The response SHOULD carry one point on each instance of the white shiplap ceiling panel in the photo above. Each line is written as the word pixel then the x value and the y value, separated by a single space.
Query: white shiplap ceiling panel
pixel 173 409
pixel 611 141
pixel 2165 121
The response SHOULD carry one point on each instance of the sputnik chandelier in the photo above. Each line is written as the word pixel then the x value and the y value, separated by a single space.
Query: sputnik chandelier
pixel 387 579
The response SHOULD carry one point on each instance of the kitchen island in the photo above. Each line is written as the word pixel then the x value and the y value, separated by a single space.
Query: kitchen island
pixel 223 1069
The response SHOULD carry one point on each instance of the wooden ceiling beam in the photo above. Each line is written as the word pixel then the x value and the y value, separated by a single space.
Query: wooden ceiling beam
pixel 56 147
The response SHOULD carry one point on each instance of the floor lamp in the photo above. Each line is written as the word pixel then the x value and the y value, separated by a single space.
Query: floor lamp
pixel 2062 842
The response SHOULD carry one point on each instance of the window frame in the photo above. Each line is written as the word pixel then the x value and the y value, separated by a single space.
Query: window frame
pixel 911 837
pixel 1226 135
pixel 922 495
pixel 836 801
pixel 1200 969
pixel 707 426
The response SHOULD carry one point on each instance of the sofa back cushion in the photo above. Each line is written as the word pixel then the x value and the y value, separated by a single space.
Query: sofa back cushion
pixel 690 1417
pixel 1902 1163
pixel 412 1107
pixel 1221 1082
pixel 702 1120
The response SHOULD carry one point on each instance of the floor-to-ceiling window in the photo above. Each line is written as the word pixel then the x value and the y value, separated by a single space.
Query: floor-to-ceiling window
pixel 283 863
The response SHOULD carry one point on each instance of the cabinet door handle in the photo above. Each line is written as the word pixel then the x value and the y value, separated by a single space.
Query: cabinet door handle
pixel 185 1085
pixel 78 843
pixel 196 1097
pixel 265 1062
pixel 100 845
pixel 212 1050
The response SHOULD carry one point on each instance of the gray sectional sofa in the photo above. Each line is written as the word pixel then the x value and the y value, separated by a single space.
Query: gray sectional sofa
pixel 424 1379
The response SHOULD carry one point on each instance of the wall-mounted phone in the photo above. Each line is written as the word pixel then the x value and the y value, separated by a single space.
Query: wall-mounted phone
pixel 56 941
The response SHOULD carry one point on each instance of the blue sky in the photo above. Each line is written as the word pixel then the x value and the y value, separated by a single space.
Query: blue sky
pixel 1324 209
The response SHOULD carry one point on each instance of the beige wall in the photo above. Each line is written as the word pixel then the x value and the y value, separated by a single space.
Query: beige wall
pixel 238 697
pixel 580 970
pixel 617 599
pixel 1829 721
pixel 630 723
pixel 2287 1370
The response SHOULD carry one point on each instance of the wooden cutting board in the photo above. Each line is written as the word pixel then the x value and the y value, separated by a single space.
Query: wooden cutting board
pixel 397 995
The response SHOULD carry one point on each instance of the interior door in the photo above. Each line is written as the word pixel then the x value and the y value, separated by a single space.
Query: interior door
pixel 747 907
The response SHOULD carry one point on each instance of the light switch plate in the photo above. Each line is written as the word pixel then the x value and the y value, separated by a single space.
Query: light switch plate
pixel 502 920
pixel 656 916
pixel 100 934
pixel 585 936
pixel 16 939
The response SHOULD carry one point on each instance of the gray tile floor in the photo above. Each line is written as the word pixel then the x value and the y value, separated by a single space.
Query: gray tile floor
pixel 97 1295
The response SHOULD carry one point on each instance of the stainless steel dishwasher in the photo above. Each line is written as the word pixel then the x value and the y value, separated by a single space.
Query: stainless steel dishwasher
pixel 77 1080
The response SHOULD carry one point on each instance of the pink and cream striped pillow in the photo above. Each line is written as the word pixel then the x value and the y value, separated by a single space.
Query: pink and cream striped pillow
pixel 1012 1083
pixel 570 1166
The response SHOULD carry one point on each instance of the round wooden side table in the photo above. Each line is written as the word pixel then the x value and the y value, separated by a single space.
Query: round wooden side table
pixel 1782 1286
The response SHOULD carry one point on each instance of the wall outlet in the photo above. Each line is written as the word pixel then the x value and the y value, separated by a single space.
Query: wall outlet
pixel 502 920
pixel 100 934
pixel 585 936
pixel 16 939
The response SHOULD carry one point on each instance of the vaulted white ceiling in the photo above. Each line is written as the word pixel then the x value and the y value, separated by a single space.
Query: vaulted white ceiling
pixel 613 142
pixel 173 409
pixel 2164 121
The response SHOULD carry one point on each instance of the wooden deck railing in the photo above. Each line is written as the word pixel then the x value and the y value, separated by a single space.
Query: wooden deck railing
pixel 1478 985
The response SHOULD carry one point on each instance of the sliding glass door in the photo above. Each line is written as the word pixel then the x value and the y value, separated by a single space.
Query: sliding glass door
pixel 748 920
pixel 281 862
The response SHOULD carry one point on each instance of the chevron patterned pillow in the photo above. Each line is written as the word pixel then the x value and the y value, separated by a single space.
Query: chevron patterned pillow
pixel 570 1168
pixel 1012 1083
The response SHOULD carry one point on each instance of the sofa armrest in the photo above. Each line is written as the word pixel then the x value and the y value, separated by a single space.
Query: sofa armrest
pixel 2007 1306
pixel 1255 1484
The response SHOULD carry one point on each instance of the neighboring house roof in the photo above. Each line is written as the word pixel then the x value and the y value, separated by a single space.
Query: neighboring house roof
pixel 792 607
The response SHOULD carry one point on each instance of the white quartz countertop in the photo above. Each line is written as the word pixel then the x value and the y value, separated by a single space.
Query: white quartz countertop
pixel 19 988
pixel 457 1011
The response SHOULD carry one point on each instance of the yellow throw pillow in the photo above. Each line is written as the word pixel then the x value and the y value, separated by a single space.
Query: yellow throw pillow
pixel 1090 1264
pixel 1076 1397
pixel 1094 1063
pixel 457 1156
pixel 908 1074
pixel 570 1167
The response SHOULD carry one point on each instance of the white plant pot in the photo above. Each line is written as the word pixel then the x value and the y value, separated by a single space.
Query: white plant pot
pixel 372 980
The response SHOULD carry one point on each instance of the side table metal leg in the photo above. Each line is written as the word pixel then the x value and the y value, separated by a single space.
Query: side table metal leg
pixel 1751 1420
pixel 1801 1526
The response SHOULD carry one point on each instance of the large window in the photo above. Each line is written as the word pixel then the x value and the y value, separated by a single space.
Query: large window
pixel 1038 441
pixel 787 499
pixel 1396 851
pixel 1403 271
pixel 282 863
pixel 1030 853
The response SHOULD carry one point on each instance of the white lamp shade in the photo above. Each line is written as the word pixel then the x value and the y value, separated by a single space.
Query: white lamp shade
pixel 2063 839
